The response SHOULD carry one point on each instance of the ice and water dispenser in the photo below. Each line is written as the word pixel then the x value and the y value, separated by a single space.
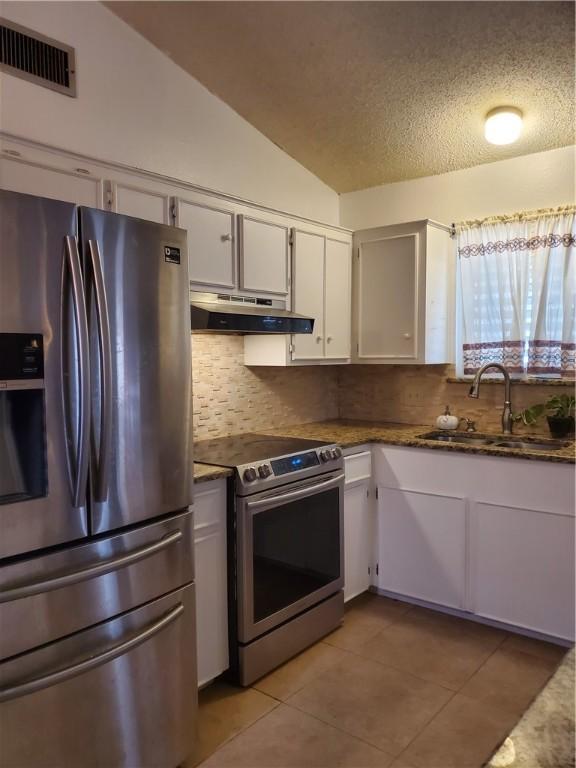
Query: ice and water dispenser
pixel 23 473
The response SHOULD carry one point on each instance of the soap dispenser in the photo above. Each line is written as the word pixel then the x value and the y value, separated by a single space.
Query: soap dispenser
pixel 447 421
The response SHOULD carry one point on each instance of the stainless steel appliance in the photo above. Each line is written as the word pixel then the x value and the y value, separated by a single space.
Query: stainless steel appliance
pixel 97 640
pixel 285 541
pixel 228 313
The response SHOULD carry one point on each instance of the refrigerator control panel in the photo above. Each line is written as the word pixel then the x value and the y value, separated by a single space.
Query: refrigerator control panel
pixel 21 356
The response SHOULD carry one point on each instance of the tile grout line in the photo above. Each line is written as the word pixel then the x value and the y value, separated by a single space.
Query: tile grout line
pixel 244 729
pixel 340 730
pixel 393 623
pixel 458 692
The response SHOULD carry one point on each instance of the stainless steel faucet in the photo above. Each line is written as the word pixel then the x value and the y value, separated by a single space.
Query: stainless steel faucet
pixel 507 411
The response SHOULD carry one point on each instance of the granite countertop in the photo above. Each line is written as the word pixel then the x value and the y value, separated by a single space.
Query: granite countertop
pixel 205 472
pixel 351 433
pixel 544 737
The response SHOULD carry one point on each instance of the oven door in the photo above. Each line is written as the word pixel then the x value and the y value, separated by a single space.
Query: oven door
pixel 290 552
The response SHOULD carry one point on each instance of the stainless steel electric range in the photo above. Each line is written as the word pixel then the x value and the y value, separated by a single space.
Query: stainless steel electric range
pixel 285 546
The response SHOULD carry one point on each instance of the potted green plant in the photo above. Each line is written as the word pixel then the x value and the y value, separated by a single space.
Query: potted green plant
pixel 559 412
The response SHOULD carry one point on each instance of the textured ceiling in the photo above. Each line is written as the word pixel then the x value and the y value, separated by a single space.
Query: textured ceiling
pixel 364 93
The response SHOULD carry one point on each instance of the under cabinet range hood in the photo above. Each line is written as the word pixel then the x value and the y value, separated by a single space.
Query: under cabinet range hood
pixel 228 313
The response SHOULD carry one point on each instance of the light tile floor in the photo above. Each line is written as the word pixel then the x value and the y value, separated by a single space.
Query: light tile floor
pixel 395 687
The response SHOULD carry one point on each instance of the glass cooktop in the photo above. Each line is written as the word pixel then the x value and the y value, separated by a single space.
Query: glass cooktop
pixel 246 449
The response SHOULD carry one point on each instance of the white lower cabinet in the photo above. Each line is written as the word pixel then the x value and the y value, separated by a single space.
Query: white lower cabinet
pixel 421 541
pixel 358 556
pixel 359 551
pixel 522 568
pixel 211 579
pixel 486 535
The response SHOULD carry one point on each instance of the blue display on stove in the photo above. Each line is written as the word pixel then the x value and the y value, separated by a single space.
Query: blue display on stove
pixel 294 463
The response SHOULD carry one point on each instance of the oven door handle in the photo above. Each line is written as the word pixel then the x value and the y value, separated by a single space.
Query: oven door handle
pixel 301 493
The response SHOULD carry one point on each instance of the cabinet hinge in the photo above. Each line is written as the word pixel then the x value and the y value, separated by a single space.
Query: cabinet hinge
pixel 377 570
pixel 367 493
pixel 173 213
pixel 357 347
pixel 376 491
pixel 369 570
pixel 108 196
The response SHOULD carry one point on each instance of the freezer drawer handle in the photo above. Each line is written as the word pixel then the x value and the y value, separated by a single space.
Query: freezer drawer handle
pixel 72 262
pixel 91 571
pixel 105 349
pixel 94 660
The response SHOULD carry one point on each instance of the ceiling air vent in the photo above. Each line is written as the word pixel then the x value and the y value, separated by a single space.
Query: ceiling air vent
pixel 39 59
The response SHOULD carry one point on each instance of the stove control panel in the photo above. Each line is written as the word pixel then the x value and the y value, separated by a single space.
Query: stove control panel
pixel 330 454
pixel 280 470
pixel 293 463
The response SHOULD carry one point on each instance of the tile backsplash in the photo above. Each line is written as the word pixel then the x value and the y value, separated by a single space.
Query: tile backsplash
pixel 230 397
pixel 417 394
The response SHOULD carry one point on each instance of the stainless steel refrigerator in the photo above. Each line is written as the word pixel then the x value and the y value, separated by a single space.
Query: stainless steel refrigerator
pixel 97 613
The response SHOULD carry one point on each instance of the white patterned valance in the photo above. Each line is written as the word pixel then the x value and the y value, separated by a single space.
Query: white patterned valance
pixel 518 292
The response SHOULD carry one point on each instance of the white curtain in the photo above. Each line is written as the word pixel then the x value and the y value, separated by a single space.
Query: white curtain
pixel 518 293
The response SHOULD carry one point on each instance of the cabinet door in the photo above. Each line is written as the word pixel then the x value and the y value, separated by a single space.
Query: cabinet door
pixel 387 299
pixel 337 298
pixel 211 249
pixel 264 250
pixel 308 293
pixel 211 579
pixel 522 569
pixel 421 545
pixel 79 188
pixel 358 530
pixel 140 202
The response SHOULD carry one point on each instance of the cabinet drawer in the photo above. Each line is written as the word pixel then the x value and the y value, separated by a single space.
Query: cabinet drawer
pixel 358 466
pixel 44 598
pixel 121 693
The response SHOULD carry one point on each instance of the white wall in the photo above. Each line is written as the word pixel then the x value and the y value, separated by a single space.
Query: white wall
pixel 540 180
pixel 137 107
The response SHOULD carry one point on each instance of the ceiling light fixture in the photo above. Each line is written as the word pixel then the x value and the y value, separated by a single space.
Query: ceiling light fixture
pixel 503 125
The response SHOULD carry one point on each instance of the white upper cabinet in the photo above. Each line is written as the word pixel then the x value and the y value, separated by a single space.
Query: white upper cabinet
pixel 264 253
pixel 211 246
pixel 78 186
pixel 321 289
pixel 140 202
pixel 403 297
pixel 308 294
pixel 338 294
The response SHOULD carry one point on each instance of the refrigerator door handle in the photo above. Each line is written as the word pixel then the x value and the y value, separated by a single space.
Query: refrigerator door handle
pixel 72 262
pixel 90 571
pixel 105 349
pixel 95 659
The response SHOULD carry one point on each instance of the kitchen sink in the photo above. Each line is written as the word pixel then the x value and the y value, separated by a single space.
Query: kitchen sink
pixel 441 437
pixel 526 445
pixel 497 441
